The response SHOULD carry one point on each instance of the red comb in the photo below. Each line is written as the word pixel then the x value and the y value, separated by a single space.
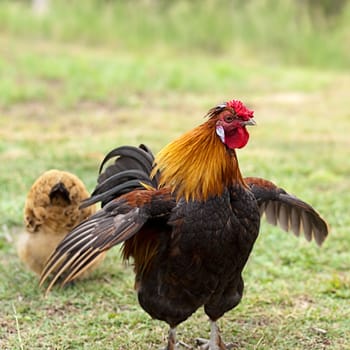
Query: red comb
pixel 240 109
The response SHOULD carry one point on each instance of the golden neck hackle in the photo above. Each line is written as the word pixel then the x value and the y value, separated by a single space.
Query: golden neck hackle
pixel 198 165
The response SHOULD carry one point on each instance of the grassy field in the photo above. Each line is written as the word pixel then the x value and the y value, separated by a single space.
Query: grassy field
pixel 71 92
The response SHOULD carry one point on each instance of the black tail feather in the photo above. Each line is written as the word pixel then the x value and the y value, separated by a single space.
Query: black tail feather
pixel 131 169
pixel 129 157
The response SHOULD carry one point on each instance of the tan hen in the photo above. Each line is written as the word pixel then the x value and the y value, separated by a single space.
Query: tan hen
pixel 51 211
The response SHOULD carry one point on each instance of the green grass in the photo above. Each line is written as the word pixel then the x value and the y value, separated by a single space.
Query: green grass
pixel 267 30
pixel 67 96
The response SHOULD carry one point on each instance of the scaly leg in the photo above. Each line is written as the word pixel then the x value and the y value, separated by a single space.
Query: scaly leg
pixel 215 342
pixel 172 345
pixel 171 339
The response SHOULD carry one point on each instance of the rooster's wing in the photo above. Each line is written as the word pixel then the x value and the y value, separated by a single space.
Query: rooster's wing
pixel 116 222
pixel 287 211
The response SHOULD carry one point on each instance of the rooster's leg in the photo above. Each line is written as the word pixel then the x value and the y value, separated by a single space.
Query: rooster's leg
pixel 215 342
pixel 172 345
pixel 171 339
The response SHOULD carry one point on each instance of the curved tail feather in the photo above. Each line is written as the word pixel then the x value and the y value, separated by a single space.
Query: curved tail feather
pixel 130 170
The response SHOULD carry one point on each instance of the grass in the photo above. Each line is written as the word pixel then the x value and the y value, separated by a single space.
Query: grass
pixel 68 96
pixel 268 30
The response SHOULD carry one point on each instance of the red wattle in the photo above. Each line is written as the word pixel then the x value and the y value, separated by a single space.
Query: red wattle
pixel 238 138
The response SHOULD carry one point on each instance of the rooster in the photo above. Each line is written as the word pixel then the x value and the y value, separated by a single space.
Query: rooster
pixel 51 211
pixel 188 219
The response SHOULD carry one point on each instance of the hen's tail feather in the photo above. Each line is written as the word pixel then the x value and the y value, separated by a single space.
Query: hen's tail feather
pixel 288 211
pixel 130 170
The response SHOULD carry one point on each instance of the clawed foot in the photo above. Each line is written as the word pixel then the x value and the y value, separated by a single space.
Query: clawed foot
pixel 215 342
pixel 173 344
pixel 205 344
pixel 179 346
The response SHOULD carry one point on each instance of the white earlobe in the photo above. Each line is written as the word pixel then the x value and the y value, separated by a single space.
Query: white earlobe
pixel 221 133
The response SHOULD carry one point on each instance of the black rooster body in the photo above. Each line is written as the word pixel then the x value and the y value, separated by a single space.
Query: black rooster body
pixel 189 246
pixel 199 262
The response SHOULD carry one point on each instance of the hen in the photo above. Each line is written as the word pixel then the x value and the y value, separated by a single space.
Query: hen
pixel 51 211
pixel 189 224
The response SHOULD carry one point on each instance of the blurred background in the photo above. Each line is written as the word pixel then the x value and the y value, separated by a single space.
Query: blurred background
pixel 310 32
pixel 96 65
pixel 80 77
pixel 122 52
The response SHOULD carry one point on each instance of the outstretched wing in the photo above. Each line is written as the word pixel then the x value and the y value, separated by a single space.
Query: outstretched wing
pixel 118 221
pixel 287 211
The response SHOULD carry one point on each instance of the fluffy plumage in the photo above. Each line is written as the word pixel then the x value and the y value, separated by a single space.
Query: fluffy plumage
pixel 51 211
pixel 189 227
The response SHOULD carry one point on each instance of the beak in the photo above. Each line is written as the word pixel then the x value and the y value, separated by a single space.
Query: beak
pixel 250 121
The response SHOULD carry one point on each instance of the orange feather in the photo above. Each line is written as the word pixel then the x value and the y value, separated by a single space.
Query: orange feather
pixel 198 165
pixel 143 247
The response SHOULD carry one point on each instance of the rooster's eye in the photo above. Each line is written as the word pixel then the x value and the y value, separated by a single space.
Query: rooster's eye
pixel 229 118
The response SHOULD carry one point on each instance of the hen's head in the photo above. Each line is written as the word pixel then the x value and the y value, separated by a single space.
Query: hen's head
pixel 231 119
